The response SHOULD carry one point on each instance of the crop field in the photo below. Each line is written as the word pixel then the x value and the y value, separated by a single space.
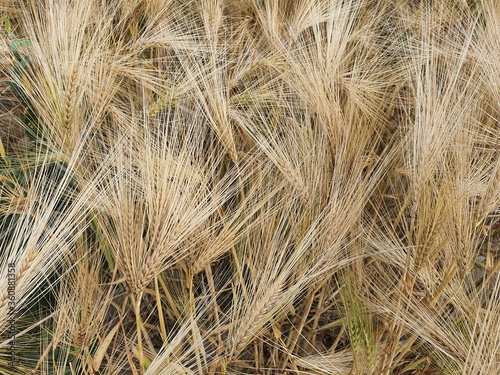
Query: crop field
pixel 273 187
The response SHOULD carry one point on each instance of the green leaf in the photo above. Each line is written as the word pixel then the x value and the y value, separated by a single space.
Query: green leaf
pixel 16 89
pixel 13 46
pixel 24 42
pixel 25 62
pixel 7 24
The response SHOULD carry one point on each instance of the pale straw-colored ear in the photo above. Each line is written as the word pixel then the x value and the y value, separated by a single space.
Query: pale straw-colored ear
pixel 103 348
pixel 250 186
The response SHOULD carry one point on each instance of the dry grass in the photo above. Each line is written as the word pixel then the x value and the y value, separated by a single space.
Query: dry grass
pixel 234 187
